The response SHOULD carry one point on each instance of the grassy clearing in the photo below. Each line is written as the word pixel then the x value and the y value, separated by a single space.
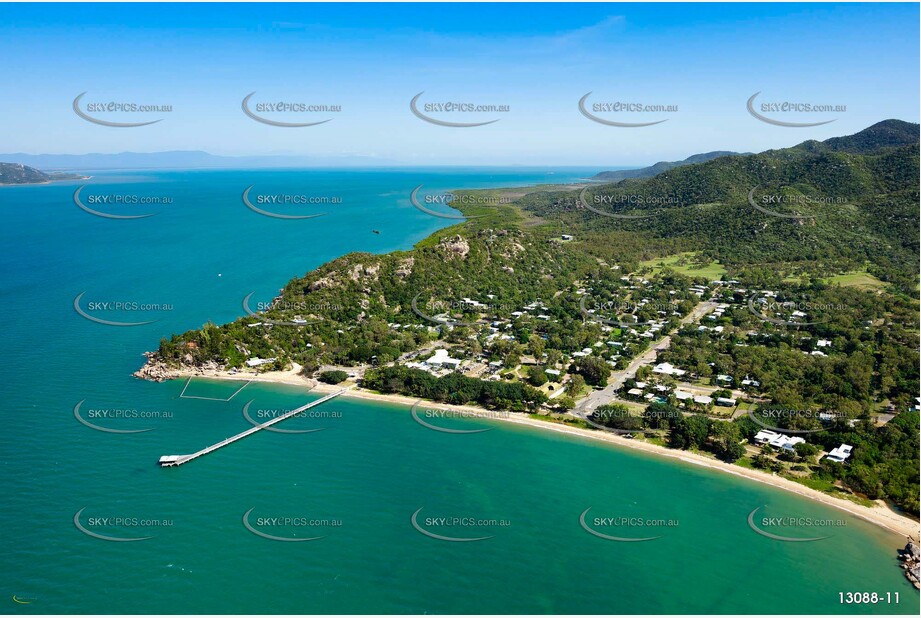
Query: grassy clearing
pixel 688 264
pixel 744 462
pixel 829 488
pixel 856 279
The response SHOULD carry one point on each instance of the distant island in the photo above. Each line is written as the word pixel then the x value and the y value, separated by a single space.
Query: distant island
pixel 661 166
pixel 19 174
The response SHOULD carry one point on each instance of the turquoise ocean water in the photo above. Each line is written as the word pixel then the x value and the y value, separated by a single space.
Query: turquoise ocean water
pixel 357 482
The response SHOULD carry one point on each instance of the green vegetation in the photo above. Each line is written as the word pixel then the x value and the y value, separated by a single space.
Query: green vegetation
pixel 661 166
pixel 504 290
pixel 454 389
pixel 858 279
pixel 333 377
pixel 688 264
pixel 18 174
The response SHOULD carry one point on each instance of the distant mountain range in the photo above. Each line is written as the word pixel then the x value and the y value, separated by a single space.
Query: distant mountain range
pixel 661 166
pixel 184 159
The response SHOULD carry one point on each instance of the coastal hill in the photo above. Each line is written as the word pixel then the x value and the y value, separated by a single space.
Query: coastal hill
pixel 19 174
pixel 885 134
pixel 661 166
pixel 842 204
pixel 829 227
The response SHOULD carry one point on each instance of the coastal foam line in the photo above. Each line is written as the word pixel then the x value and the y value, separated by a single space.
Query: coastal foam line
pixel 168 461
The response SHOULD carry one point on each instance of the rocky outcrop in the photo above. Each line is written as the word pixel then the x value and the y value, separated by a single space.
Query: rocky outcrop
pixel 360 271
pixel 321 284
pixel 405 268
pixel 911 559
pixel 156 370
pixel 456 246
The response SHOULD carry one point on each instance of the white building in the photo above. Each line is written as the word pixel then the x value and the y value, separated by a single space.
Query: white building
pixel 840 453
pixel 442 359
pixel 256 361
pixel 668 369
pixel 777 440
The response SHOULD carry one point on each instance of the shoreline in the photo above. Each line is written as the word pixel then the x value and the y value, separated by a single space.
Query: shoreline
pixel 50 181
pixel 880 515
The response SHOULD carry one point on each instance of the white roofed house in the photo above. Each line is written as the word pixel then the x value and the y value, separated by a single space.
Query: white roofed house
pixel 258 362
pixel 840 453
pixel 750 383
pixel 442 359
pixel 777 440
pixel 668 369
pixel 764 436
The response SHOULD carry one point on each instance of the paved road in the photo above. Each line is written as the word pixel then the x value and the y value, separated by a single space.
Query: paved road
pixel 587 405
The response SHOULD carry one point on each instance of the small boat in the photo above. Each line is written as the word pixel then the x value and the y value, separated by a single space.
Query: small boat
pixel 376 231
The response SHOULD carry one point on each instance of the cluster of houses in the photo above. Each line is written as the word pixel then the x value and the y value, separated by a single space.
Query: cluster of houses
pixel 660 393
pixel 782 441
pixel 650 392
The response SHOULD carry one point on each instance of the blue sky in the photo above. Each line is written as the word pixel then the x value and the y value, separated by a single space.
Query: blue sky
pixel 539 59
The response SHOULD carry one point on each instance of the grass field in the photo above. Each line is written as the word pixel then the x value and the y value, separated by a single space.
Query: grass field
pixel 687 264
pixel 856 279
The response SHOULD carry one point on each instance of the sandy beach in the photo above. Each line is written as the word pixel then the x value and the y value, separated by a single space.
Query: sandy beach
pixel 880 514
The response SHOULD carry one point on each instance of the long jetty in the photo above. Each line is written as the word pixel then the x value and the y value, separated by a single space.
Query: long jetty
pixel 168 461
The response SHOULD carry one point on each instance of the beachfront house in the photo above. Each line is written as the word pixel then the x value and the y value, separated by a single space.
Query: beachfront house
pixel 777 440
pixel 840 453
pixel 257 362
